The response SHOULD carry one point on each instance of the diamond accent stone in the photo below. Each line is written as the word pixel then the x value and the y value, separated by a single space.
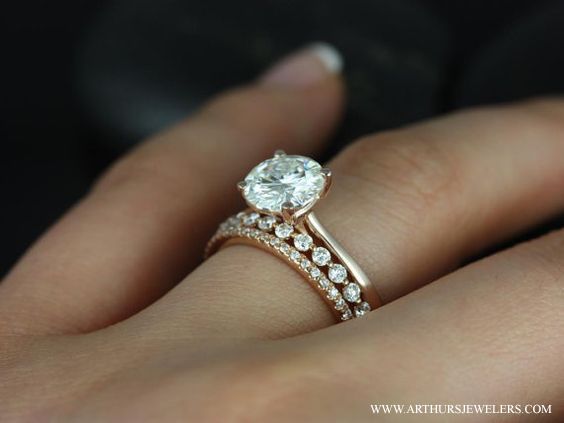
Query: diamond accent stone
pixel 361 309
pixel 305 263
pixel 295 255
pixel 347 315
pixel 290 179
pixel 302 242
pixel 321 256
pixel 333 293
pixel 266 223
pixel 340 304
pixel 338 273
pixel 351 292
pixel 283 230
pixel 315 272
pixel 285 248
pixel 250 219
pixel 324 283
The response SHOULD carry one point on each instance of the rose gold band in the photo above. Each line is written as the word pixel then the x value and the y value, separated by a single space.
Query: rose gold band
pixel 309 249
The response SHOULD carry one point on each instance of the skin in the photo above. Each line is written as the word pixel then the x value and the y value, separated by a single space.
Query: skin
pixel 94 325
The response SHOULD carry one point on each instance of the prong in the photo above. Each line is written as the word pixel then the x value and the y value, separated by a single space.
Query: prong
pixel 279 153
pixel 241 185
pixel 328 181
pixel 288 213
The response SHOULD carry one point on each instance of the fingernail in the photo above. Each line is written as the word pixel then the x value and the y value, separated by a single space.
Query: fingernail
pixel 305 67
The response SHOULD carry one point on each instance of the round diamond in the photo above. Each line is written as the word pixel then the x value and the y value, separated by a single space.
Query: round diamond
pixel 337 273
pixel 295 180
pixel 333 293
pixel 324 283
pixel 351 292
pixel 250 219
pixel 315 272
pixel 283 230
pixel 305 263
pixel 285 248
pixel 321 256
pixel 295 256
pixel 361 309
pixel 266 223
pixel 340 304
pixel 346 315
pixel 302 242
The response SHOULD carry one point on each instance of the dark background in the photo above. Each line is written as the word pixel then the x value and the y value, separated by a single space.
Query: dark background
pixel 83 81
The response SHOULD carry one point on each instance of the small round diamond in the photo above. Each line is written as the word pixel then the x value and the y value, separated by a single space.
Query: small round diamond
pixel 250 219
pixel 285 248
pixel 361 309
pixel 275 242
pixel 340 304
pixel 333 293
pixel 305 263
pixel 283 230
pixel 321 256
pixel 337 273
pixel 324 283
pixel 347 315
pixel 302 242
pixel 266 223
pixel 351 292
pixel 315 272
pixel 295 256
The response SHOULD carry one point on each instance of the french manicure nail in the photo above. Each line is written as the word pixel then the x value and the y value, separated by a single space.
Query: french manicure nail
pixel 305 67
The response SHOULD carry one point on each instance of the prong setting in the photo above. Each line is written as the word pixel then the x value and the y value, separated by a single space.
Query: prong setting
pixel 288 213
pixel 241 185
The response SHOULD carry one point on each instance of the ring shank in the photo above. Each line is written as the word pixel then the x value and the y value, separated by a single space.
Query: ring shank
pixel 370 293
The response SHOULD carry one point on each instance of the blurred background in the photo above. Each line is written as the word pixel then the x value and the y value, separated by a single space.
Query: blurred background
pixel 84 81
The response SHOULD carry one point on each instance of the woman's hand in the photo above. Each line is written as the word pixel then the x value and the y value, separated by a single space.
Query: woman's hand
pixel 90 329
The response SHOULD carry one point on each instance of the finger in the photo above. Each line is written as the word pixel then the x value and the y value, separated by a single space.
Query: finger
pixel 497 325
pixel 409 205
pixel 145 223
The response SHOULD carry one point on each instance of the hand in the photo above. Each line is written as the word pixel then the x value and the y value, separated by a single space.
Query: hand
pixel 94 325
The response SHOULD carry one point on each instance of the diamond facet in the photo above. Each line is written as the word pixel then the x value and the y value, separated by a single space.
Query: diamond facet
pixel 283 230
pixel 337 273
pixel 351 292
pixel 302 242
pixel 295 180
pixel 321 256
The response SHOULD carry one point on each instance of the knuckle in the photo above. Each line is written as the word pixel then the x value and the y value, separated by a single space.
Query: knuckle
pixel 416 166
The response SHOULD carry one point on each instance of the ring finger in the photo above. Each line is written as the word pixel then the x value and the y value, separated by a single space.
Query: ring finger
pixel 408 205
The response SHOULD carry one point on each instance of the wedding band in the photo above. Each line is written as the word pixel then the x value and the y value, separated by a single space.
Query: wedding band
pixel 281 193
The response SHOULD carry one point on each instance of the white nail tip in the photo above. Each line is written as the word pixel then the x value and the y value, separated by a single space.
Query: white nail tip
pixel 329 56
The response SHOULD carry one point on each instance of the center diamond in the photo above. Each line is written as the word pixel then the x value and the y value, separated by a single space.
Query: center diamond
pixel 296 180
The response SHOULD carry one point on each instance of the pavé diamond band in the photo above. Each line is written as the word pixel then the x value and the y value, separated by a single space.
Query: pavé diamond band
pixel 281 193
